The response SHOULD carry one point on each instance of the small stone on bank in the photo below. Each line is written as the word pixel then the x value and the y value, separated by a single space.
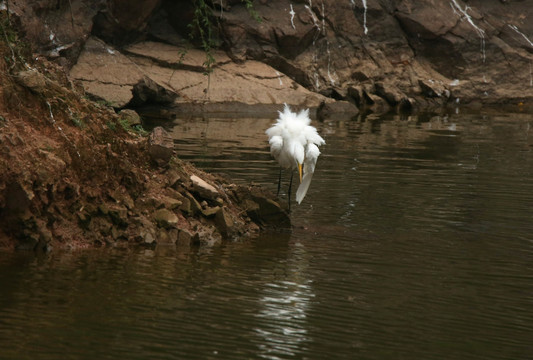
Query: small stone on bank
pixel 165 218
pixel 205 190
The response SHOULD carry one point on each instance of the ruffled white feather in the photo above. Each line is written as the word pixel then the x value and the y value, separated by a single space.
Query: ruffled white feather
pixel 294 141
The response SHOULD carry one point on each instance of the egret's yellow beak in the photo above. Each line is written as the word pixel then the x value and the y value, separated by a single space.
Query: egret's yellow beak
pixel 300 171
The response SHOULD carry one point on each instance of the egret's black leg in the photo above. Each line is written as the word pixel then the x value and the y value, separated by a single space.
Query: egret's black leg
pixel 290 186
pixel 279 182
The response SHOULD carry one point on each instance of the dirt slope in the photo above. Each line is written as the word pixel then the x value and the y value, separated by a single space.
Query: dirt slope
pixel 75 174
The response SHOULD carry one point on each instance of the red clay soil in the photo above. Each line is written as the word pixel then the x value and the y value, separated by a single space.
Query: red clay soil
pixel 74 175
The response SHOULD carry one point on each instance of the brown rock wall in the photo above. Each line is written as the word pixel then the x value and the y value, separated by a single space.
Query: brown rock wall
pixel 476 51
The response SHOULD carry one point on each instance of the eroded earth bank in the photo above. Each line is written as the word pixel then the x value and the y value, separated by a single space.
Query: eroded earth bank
pixel 74 174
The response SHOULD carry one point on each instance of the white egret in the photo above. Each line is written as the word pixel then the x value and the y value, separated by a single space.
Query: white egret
pixel 294 144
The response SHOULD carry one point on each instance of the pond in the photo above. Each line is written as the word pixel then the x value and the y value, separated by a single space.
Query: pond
pixel 415 241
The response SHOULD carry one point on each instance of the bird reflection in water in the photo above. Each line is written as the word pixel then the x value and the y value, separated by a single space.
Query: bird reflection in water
pixel 284 304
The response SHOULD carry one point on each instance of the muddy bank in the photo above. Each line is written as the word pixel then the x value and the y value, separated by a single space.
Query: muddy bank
pixel 74 174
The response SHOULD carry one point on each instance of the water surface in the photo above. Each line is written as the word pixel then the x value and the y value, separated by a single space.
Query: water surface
pixel 414 242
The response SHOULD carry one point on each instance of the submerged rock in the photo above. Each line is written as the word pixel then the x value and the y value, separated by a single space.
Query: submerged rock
pixel 263 208
pixel 148 92
pixel 337 110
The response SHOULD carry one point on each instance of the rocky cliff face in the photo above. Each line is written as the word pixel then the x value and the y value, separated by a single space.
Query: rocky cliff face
pixel 408 53
pixel 378 54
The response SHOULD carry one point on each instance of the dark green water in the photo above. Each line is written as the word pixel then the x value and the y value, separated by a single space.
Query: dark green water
pixel 415 241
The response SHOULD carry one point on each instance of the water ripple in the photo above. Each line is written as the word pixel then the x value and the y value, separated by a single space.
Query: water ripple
pixel 414 242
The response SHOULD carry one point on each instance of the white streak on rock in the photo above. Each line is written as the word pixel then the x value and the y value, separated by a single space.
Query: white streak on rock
pixel 454 82
pixel 364 17
pixel 292 13
pixel 279 78
pixel 515 28
pixel 313 16
pixel 463 13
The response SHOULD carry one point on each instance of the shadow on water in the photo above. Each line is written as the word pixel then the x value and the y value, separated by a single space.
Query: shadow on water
pixel 414 242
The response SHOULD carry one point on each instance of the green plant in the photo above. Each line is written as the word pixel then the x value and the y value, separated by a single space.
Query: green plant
pixel 77 121
pixel 125 124
pixel 248 4
pixel 202 28
pixel 111 125
pixel 137 129
pixel 104 103
pixel 10 37
pixel 47 147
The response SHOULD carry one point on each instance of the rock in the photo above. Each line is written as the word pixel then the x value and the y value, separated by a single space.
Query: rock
pixel 169 203
pixel 356 93
pixel 165 218
pixel 18 197
pixel 252 82
pixel 118 214
pixel 337 110
pixel 205 190
pixel 261 207
pixel 293 35
pixel 166 237
pixel 390 93
pixel 104 209
pixel 208 238
pixel 33 80
pixel 365 97
pixel 147 236
pixel 160 146
pixel 210 211
pixel 45 235
pixel 148 92
pixel 375 103
pixel 145 231
pixel 185 207
pixel 290 59
pixel 84 218
pixel 391 58
pixel 224 223
pixel 116 233
pixel 27 243
pixel 40 84
pixel 271 213
pixel 173 179
pixel 195 207
pixel 124 20
pixel 62 28
pixel 100 225
pixel 122 197
pixel 130 116
pixel 186 238
pixel 431 88
pixel 106 73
